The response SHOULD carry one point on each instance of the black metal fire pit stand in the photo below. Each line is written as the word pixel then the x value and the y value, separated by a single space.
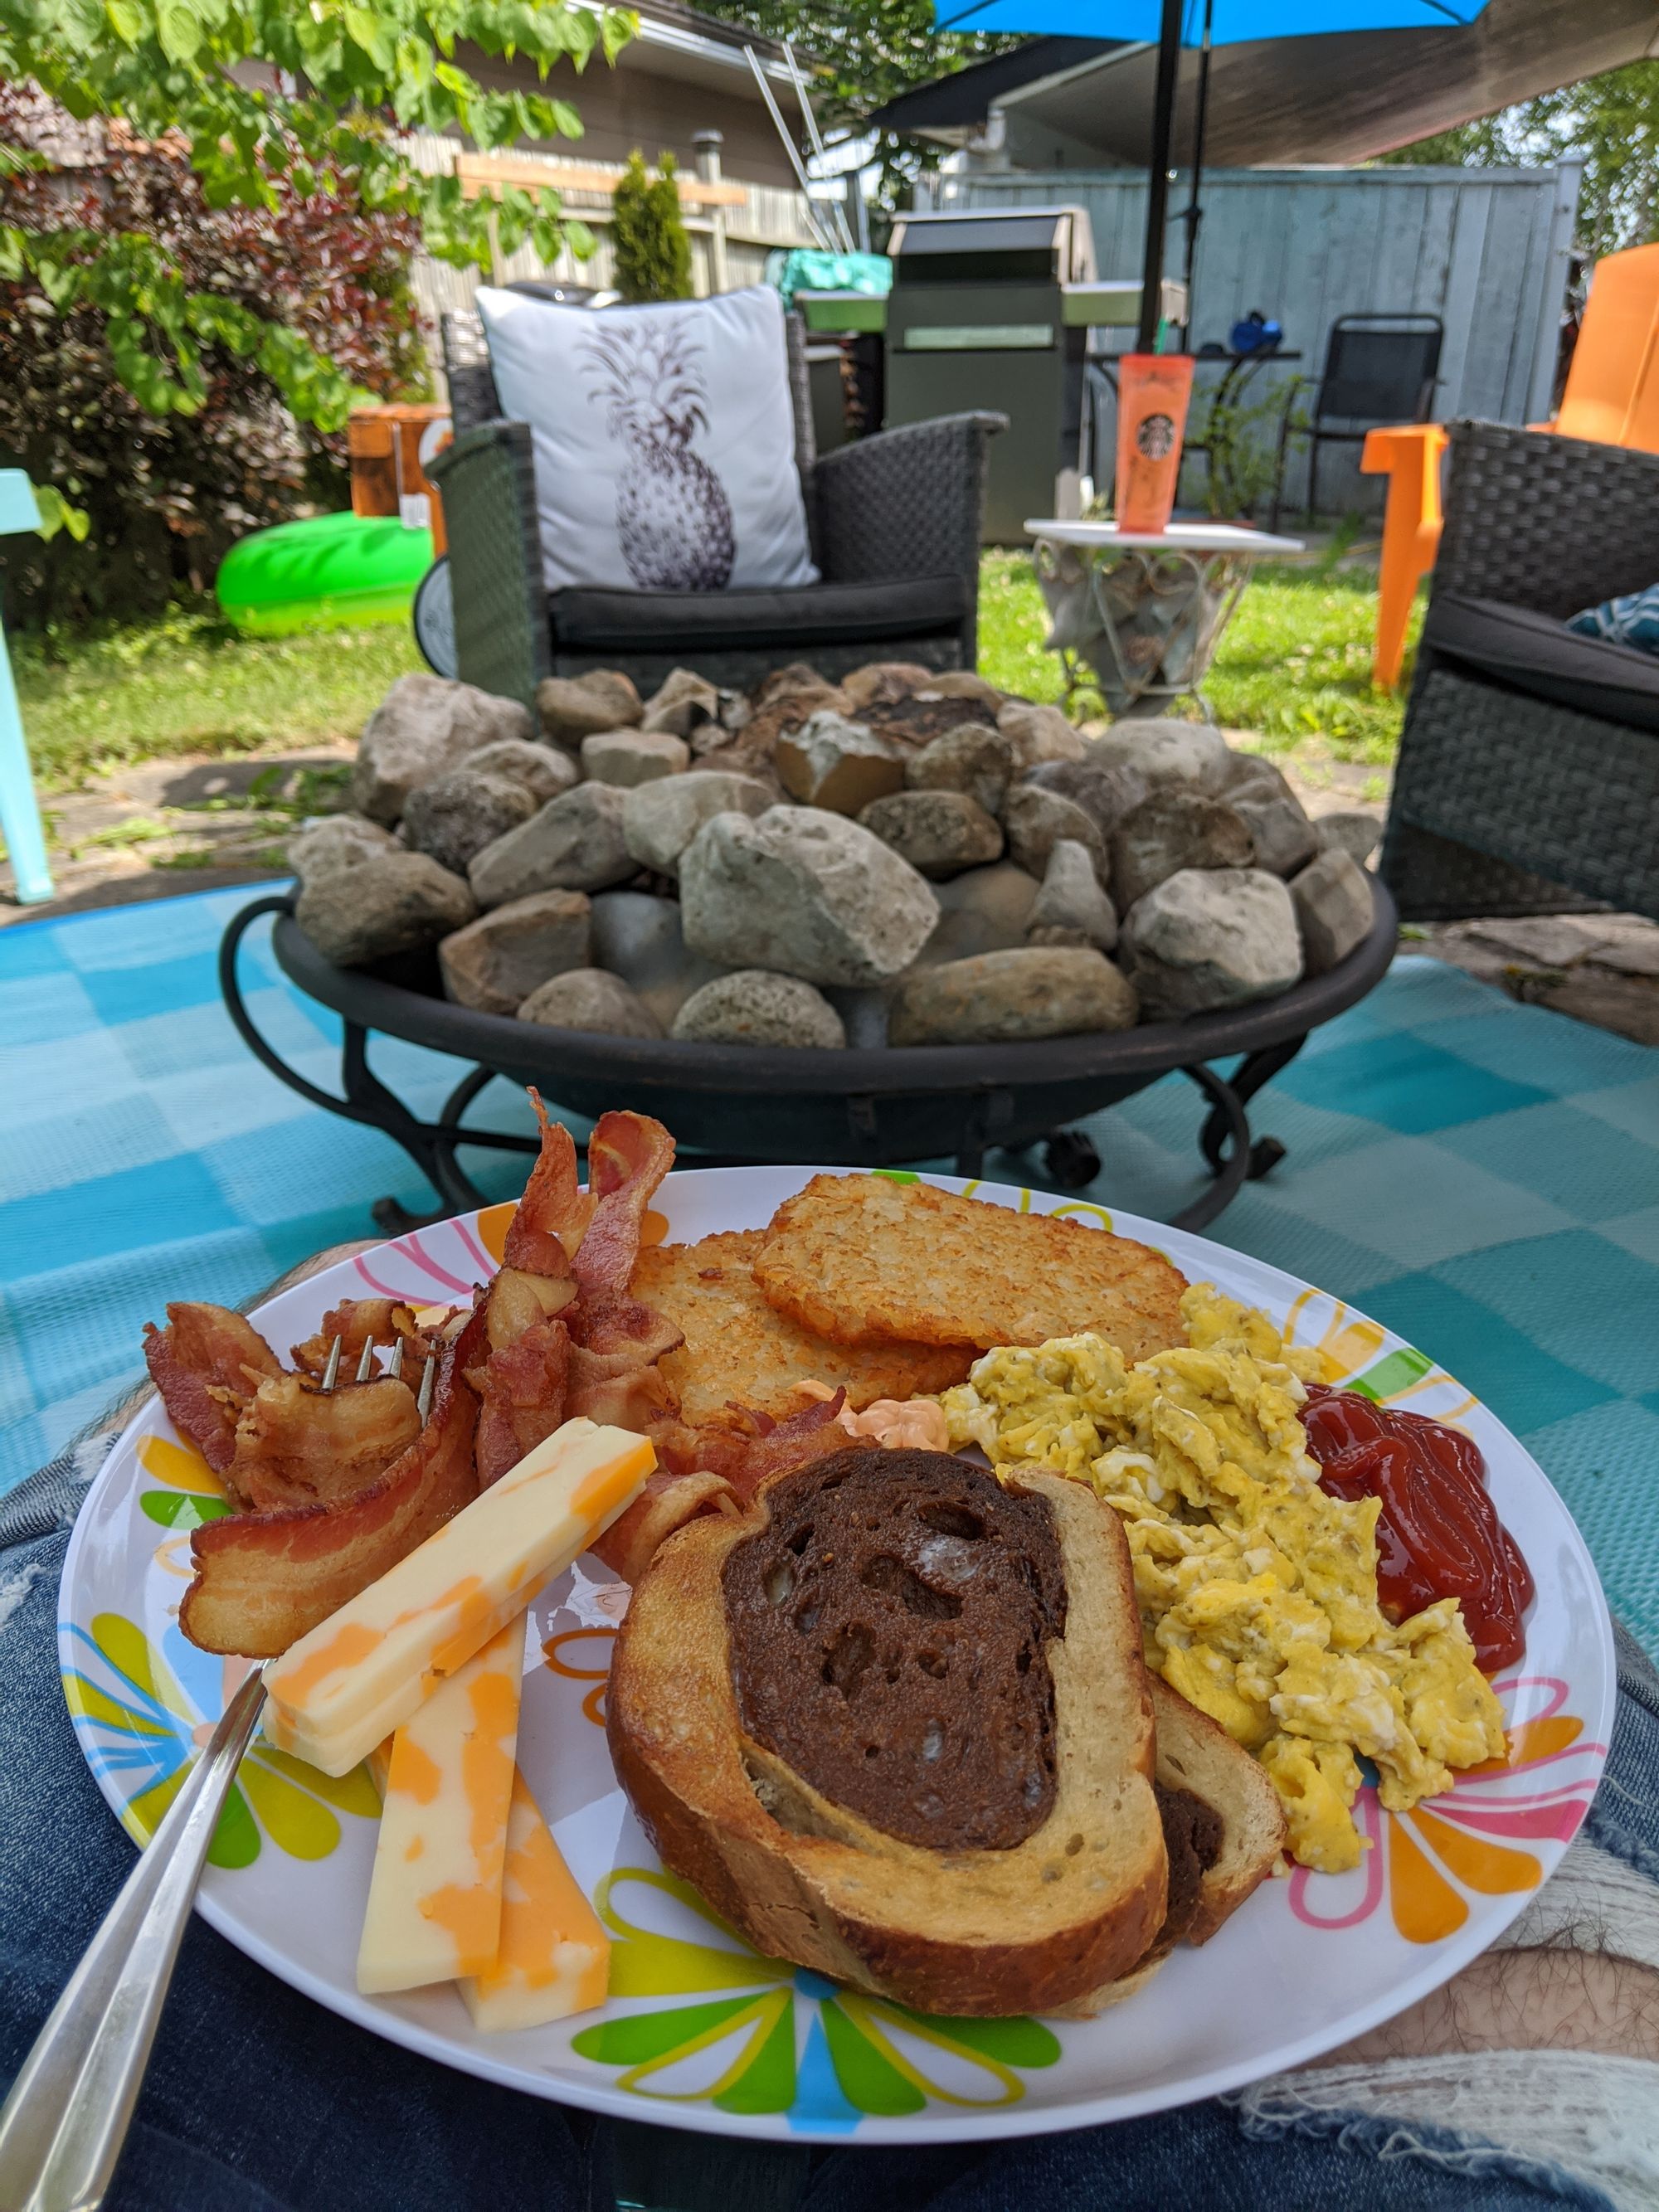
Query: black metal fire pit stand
pixel 857 1108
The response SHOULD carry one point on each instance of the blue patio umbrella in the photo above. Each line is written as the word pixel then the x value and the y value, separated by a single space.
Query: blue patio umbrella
pixel 1199 24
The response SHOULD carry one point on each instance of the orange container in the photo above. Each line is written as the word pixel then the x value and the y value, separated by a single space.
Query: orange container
pixel 388 475
pixel 1153 390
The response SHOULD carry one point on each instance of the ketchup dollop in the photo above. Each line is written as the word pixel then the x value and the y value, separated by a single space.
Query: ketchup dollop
pixel 1438 1534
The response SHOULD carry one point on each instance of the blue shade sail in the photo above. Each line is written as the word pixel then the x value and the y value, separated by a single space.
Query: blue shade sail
pixel 1233 22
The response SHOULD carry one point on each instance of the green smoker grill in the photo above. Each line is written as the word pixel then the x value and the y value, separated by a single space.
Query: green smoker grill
pixel 992 308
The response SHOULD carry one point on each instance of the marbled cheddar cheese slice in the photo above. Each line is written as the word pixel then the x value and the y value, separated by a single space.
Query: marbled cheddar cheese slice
pixel 434 1898
pixel 555 1957
pixel 360 1673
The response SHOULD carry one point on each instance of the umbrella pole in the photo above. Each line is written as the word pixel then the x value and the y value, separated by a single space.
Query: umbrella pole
pixel 1158 196
pixel 1194 211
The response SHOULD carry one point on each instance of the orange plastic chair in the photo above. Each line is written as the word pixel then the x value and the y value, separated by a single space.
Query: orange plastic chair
pixel 1612 396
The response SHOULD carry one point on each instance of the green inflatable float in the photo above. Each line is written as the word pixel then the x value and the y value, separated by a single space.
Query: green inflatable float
pixel 330 572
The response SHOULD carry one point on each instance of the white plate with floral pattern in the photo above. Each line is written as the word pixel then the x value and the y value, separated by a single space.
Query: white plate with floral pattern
pixel 699 2030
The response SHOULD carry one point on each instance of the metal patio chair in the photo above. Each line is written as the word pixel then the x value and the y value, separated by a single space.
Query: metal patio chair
pixel 1378 369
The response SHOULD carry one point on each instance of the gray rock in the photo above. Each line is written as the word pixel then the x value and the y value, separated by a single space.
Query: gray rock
pixel 1347 830
pixel 1008 997
pixel 1210 937
pixel 1105 794
pixel 961 683
pixel 939 833
pixel 342 840
pixel 574 843
pixel 590 998
pixel 391 902
pixel 986 910
pixel 883 683
pixel 544 771
pixel 1035 819
pixel 457 815
pixel 1332 896
pixel 806 893
pixel 496 961
pixel 629 757
pixel 831 763
pixel 424 725
pixel 660 819
pixel 1070 907
pixel 572 707
pixel 1038 733
pixel 685 701
pixel 1284 838
pixel 638 937
pixel 1163 751
pixel 973 759
pixel 753 1006
pixel 1176 828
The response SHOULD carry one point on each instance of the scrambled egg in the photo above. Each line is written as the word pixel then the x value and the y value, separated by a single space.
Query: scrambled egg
pixel 1257 1589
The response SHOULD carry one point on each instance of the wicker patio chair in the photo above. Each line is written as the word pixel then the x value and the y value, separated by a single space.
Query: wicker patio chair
pixel 894 522
pixel 1528 773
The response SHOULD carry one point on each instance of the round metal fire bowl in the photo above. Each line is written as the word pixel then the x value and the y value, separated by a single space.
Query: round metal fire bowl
pixel 858 1108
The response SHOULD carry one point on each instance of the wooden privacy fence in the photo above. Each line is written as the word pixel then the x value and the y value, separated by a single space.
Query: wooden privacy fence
pixel 732 226
pixel 1486 249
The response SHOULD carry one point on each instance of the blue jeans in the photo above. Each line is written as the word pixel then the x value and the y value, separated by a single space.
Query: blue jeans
pixel 260 2101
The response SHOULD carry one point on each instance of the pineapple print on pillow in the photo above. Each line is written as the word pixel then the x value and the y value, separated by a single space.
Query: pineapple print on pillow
pixel 673 519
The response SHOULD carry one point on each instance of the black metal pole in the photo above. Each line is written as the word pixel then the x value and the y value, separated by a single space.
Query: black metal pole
pixel 1194 210
pixel 1158 196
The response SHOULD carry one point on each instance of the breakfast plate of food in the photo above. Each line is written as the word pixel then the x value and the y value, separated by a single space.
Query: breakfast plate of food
pixel 838 1655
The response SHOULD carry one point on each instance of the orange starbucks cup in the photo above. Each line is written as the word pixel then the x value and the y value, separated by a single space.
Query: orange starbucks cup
pixel 1153 390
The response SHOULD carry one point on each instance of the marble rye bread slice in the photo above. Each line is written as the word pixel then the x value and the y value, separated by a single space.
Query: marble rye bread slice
pixel 892 1722
pixel 861 1259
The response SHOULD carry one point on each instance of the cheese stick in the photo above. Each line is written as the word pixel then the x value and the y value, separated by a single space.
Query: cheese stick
pixel 555 1957
pixel 434 1898
pixel 358 1674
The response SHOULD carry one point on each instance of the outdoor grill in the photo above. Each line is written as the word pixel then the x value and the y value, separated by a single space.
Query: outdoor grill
pixel 733 1104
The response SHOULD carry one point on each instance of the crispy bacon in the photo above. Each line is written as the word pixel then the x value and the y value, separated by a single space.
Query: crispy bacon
pixel 627 1157
pixel 356 1322
pixel 553 1213
pixel 751 1446
pixel 263 1579
pixel 667 1503
pixel 206 1364
pixel 608 1324
pixel 296 1445
pixel 521 1396
pixel 517 1299
pixel 618 1388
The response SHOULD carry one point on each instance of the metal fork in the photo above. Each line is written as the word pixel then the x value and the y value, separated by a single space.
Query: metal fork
pixel 62 2126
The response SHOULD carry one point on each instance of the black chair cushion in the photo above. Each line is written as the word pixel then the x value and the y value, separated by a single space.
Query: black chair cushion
pixel 593 618
pixel 1537 655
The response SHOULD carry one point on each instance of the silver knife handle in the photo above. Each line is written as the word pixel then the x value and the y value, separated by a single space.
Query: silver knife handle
pixel 62 2127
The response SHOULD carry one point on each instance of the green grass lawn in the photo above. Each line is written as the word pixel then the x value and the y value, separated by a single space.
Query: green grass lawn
pixel 1294 666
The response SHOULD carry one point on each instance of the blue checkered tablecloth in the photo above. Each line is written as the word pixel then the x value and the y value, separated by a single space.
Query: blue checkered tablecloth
pixel 1482 1177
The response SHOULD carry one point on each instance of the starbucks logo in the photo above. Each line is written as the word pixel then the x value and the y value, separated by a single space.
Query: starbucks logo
pixel 1155 437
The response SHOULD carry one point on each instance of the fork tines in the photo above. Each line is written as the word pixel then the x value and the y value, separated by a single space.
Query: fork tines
pixel 394 1368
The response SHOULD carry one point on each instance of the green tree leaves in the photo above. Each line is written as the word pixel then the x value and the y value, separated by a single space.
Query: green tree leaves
pixel 652 251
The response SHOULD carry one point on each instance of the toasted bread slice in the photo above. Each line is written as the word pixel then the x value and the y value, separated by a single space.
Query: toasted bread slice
pixel 1029 1928
pixel 737 1348
pixel 1196 1752
pixel 864 1259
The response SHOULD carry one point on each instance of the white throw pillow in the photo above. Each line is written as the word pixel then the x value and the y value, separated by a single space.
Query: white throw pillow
pixel 664 439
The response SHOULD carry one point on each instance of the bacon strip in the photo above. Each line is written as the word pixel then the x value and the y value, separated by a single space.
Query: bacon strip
pixel 263 1579
pixel 522 1395
pixel 553 1213
pixel 358 1322
pixel 296 1445
pixel 206 1363
pixel 627 1157
pixel 666 1502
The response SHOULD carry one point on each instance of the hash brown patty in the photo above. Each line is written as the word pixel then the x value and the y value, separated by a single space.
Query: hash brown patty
pixel 866 1261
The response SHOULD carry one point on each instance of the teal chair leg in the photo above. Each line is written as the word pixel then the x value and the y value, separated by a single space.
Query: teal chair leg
pixel 19 812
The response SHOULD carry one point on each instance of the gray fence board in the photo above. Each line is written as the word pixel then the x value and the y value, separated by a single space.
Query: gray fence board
pixel 1481 248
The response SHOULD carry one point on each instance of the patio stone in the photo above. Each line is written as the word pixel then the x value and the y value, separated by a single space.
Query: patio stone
pixel 574 844
pixel 496 961
pixel 1012 997
pixel 1332 900
pixel 590 998
pixel 341 841
pixel 1104 792
pixel 1175 827
pixel 805 893
pixel 572 707
pixel 457 815
pixel 1284 838
pixel 1036 819
pixel 939 833
pixel 544 771
pixel 424 725
pixel 754 1006
pixel 1070 907
pixel 984 910
pixel 629 757
pixel 392 901
pixel 974 759
pixel 1163 751
pixel 1349 829
pixel 660 819
pixel 682 702
pixel 884 683
pixel 1038 733
pixel 1210 937
pixel 834 763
